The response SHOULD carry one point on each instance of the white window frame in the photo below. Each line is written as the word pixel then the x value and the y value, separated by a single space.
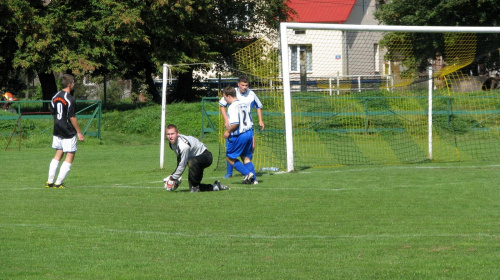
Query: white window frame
pixel 295 60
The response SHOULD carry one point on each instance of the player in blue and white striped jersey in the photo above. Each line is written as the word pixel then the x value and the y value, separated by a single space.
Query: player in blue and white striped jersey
pixel 244 94
pixel 239 136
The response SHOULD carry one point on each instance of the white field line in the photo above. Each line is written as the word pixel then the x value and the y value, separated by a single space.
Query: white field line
pixel 160 182
pixel 256 236
pixel 259 187
pixel 339 170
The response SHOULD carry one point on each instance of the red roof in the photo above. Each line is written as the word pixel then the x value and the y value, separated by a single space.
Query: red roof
pixel 332 11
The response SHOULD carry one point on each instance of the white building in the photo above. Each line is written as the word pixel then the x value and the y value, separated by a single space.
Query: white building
pixel 335 53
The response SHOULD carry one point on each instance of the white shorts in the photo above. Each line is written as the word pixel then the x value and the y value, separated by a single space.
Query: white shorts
pixel 66 145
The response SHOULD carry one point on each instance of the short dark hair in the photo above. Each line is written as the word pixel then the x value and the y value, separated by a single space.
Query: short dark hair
pixel 66 80
pixel 244 79
pixel 170 126
pixel 229 91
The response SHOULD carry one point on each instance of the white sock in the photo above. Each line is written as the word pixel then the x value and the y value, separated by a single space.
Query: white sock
pixel 52 170
pixel 63 171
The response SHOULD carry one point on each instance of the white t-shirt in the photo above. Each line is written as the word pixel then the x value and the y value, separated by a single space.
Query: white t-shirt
pixel 248 97
pixel 239 113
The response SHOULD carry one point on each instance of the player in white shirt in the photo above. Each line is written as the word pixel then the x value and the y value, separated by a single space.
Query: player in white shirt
pixel 239 136
pixel 244 94
pixel 193 153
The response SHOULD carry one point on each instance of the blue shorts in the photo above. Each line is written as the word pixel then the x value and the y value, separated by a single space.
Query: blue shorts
pixel 240 145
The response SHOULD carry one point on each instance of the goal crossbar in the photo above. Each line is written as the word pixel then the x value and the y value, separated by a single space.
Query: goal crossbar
pixel 389 28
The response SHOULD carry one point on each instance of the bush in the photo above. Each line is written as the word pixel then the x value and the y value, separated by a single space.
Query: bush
pixel 121 125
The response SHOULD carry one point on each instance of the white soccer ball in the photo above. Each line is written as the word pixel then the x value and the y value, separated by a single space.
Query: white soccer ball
pixel 171 185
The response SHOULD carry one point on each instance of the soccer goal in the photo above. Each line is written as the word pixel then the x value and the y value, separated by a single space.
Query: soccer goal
pixel 337 94
pixel 372 94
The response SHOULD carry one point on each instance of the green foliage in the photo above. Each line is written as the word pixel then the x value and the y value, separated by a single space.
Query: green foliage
pixel 147 120
pixel 122 124
pixel 439 13
pixel 127 38
pixel 35 92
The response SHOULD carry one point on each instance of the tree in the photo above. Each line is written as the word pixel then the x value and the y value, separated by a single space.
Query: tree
pixel 10 78
pixel 438 13
pixel 196 32
pixel 128 38
pixel 76 35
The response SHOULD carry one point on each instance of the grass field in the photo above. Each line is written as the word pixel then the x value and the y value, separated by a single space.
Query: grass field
pixel 115 221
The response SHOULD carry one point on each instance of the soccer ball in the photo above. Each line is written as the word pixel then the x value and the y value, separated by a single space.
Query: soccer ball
pixel 171 185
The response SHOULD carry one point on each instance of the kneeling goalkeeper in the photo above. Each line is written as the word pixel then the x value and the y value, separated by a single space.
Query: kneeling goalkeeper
pixel 193 153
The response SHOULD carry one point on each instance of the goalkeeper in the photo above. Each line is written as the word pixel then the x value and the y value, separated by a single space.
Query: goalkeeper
pixel 190 152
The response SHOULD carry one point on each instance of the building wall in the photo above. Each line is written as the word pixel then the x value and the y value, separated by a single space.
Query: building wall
pixel 326 47
pixel 362 13
pixel 362 45
pixel 344 53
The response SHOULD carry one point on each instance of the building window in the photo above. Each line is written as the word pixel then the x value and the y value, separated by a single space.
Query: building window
pixel 299 32
pixel 295 57
pixel 376 58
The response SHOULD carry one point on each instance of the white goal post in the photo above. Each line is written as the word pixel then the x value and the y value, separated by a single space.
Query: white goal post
pixel 166 78
pixel 285 29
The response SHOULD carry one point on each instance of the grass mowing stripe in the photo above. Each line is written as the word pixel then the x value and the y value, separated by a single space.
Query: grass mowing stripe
pixel 253 236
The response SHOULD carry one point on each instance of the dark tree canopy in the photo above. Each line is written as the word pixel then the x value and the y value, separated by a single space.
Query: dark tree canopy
pixel 127 38
pixel 440 13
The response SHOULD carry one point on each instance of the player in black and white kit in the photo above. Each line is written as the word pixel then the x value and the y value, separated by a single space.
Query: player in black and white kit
pixel 193 153
pixel 66 131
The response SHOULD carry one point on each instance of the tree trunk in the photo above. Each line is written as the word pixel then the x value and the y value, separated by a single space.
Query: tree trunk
pixel 184 90
pixel 49 87
pixel 152 90
pixel 303 71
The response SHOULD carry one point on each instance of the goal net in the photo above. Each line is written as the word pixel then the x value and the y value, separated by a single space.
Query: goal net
pixel 338 94
pixel 260 61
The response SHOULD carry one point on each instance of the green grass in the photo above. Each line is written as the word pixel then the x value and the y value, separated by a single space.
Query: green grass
pixel 122 124
pixel 115 221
